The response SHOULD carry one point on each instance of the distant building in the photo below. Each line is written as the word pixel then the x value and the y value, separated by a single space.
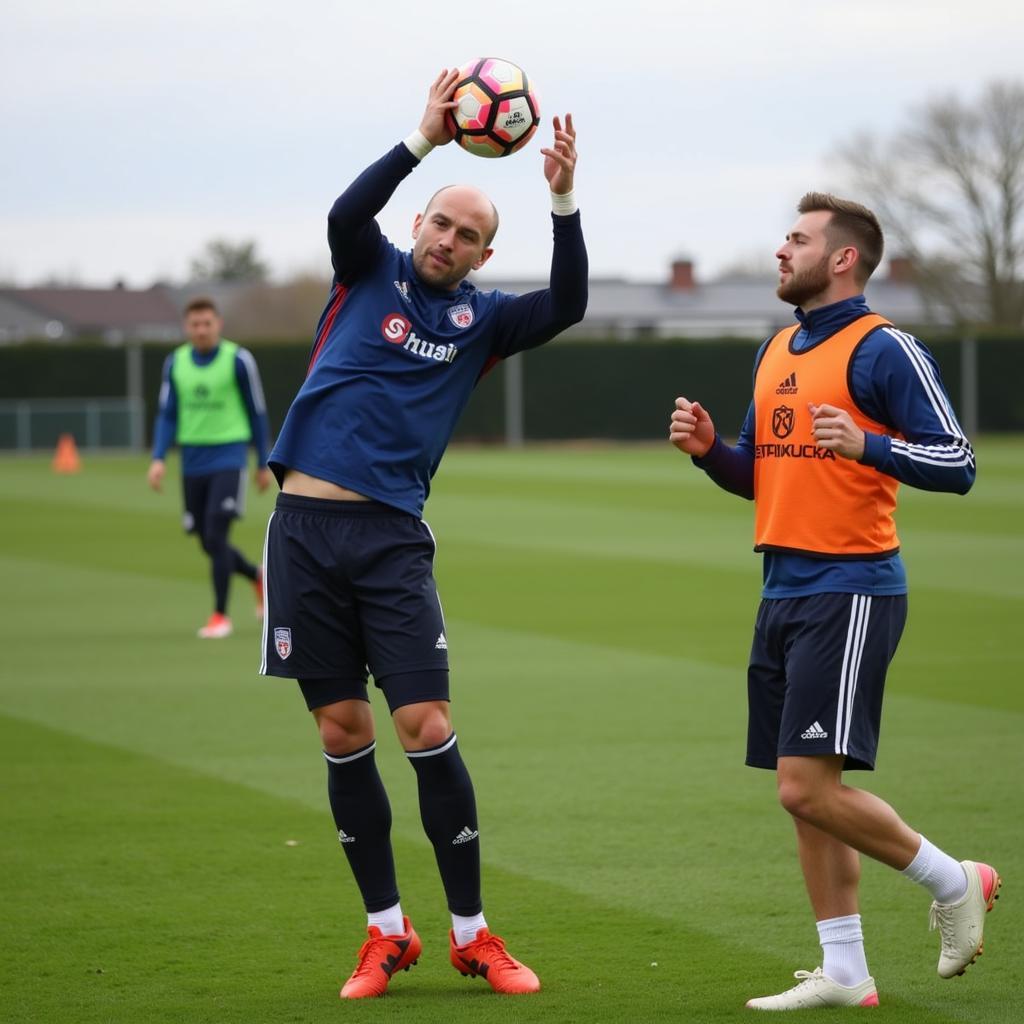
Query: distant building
pixel 745 306
pixel 114 315
pixel 681 306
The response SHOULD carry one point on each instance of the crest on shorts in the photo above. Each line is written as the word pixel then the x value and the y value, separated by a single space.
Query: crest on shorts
pixel 783 419
pixel 461 315
pixel 282 641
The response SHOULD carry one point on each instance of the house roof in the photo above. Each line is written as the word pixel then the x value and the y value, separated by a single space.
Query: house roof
pixel 115 314
pixel 742 307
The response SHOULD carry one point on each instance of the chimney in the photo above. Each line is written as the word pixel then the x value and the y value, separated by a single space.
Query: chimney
pixel 901 270
pixel 682 279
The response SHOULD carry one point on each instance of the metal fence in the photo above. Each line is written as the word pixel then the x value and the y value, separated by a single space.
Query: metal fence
pixel 33 423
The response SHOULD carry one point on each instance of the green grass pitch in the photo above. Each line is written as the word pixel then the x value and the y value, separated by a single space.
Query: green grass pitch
pixel 168 854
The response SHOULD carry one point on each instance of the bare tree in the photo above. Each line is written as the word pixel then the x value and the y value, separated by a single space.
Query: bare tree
pixel 226 261
pixel 949 190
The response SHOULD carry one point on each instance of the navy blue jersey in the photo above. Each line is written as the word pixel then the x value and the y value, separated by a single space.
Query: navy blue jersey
pixel 203 459
pixel 893 379
pixel 395 360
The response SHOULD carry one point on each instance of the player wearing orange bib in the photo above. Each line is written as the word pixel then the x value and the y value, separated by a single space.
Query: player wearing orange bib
pixel 846 407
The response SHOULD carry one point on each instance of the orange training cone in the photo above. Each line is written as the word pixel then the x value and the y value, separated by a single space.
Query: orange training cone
pixel 65 458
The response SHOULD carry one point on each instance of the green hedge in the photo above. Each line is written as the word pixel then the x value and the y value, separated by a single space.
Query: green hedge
pixel 572 389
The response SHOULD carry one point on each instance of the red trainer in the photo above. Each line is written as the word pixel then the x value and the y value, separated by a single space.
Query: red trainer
pixel 217 627
pixel 487 957
pixel 379 957
pixel 257 586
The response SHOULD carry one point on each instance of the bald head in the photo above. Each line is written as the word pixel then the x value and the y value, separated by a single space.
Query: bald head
pixel 472 201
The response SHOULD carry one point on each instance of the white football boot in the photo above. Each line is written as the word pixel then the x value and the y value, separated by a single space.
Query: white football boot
pixel 961 924
pixel 815 991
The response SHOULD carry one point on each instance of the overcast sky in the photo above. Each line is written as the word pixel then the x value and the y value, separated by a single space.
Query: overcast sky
pixel 135 132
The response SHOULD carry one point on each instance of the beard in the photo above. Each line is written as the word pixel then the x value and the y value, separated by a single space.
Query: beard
pixel 437 276
pixel 806 284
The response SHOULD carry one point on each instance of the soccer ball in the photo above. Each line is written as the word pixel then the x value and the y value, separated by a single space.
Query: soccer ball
pixel 497 110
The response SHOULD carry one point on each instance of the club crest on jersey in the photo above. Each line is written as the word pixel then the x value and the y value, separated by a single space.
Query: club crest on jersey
pixel 282 641
pixel 461 315
pixel 783 420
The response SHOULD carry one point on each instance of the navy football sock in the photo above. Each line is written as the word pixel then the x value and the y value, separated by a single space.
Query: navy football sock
pixel 448 810
pixel 215 544
pixel 241 564
pixel 362 815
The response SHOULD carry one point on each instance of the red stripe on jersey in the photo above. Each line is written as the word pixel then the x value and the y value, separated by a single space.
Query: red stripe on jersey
pixel 340 292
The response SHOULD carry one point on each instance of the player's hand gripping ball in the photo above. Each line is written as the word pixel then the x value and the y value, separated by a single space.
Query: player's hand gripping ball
pixel 497 111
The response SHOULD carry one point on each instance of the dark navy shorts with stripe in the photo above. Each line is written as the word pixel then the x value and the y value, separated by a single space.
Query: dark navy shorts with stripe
pixel 212 495
pixel 349 591
pixel 817 674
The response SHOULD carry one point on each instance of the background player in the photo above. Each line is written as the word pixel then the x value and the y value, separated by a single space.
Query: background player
pixel 349 562
pixel 211 403
pixel 845 408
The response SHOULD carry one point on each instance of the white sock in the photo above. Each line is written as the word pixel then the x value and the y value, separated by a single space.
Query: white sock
pixel 842 943
pixel 390 921
pixel 465 928
pixel 942 876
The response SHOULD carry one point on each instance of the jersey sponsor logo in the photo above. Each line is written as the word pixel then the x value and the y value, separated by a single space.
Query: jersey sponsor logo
pixel 398 331
pixel 788 386
pixel 283 641
pixel 792 451
pixel 395 327
pixel 461 315
pixel 783 421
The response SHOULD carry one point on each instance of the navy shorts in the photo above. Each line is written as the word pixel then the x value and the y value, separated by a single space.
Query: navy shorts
pixel 212 495
pixel 816 676
pixel 349 591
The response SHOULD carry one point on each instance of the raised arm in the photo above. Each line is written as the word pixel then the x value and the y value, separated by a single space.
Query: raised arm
pixel 530 320
pixel 353 235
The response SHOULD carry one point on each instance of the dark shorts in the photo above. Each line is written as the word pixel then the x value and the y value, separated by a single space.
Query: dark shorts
pixel 349 591
pixel 817 674
pixel 211 495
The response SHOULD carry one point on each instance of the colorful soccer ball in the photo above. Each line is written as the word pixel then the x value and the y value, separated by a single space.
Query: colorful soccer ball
pixel 497 111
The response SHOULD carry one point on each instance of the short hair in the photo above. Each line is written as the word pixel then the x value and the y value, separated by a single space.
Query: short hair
pixel 201 303
pixel 494 211
pixel 851 224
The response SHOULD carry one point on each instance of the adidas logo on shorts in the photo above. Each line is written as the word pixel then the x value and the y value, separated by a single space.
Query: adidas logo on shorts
pixel 467 835
pixel 442 644
pixel 815 732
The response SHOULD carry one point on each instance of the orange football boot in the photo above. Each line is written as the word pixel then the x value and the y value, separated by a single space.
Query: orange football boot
pixel 217 627
pixel 379 957
pixel 487 957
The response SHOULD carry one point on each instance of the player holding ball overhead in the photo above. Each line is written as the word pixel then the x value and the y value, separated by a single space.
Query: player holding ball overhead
pixel 350 590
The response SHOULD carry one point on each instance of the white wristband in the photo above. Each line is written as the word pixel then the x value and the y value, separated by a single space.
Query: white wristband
pixel 418 145
pixel 563 205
